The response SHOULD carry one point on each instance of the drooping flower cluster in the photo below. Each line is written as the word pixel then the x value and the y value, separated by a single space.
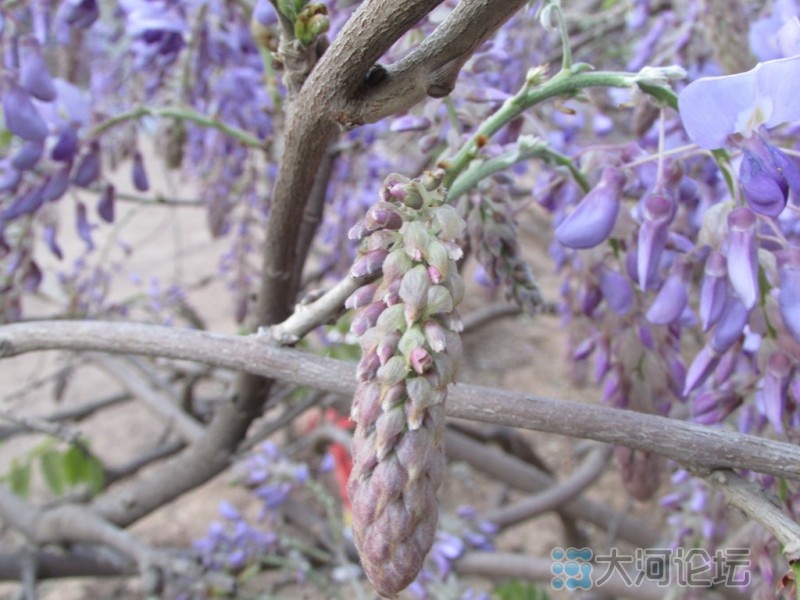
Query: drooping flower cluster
pixel 493 234
pixel 407 326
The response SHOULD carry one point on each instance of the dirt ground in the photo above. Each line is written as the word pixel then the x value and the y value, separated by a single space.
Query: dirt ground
pixel 517 353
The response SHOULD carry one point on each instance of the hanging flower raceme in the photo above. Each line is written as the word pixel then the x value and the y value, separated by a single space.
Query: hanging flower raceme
pixel 408 330
pixel 738 110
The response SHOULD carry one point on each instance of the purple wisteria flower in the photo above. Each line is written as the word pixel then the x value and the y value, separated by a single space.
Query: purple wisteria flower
pixel 593 219
pixel 777 35
pixel 738 110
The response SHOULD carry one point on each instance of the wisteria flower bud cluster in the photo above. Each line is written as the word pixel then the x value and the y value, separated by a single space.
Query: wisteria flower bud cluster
pixel 493 235
pixel 407 326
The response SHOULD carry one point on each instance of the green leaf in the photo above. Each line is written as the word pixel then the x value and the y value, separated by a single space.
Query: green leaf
pixel 519 590
pixel 52 465
pixel 95 476
pixel 20 478
pixel 74 460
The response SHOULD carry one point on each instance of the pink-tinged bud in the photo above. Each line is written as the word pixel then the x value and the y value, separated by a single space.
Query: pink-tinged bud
pixel 435 275
pixel 616 290
pixel 743 255
pixel 730 326
pixel 714 290
pixel 434 335
pixel 368 264
pixel 659 210
pixel 33 73
pixel 593 219
pixel 702 366
pixel 383 216
pixel 789 298
pixel 394 394
pixel 358 231
pixel 410 123
pixel 21 116
pixel 388 428
pixel 421 360
pixel 437 256
pixel 387 344
pixel 420 397
pixel 139 174
pixel 366 317
pixel 411 339
pixel 776 383
pixel 366 403
pixel 368 366
pixel 361 297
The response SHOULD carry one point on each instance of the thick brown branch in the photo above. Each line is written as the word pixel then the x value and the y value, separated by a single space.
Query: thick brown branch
pixel 73 564
pixel 752 501
pixel 431 69
pixel 687 443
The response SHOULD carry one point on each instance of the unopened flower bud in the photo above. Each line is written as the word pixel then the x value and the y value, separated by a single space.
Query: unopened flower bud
pixel 714 290
pixel 593 219
pixel 421 360
pixel 369 264
pixel 743 255
pixel 659 210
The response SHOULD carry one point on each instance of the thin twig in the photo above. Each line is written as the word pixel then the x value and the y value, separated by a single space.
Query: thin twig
pixel 36 425
pixel 156 400
pixel 584 476
pixel 526 477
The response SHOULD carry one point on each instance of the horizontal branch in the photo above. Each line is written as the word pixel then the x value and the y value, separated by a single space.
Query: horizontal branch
pixel 687 443
pixel 531 568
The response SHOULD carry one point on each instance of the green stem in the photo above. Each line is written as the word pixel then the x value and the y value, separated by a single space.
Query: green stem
pixel 566 49
pixel 182 114
pixel 539 149
pixel 564 83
